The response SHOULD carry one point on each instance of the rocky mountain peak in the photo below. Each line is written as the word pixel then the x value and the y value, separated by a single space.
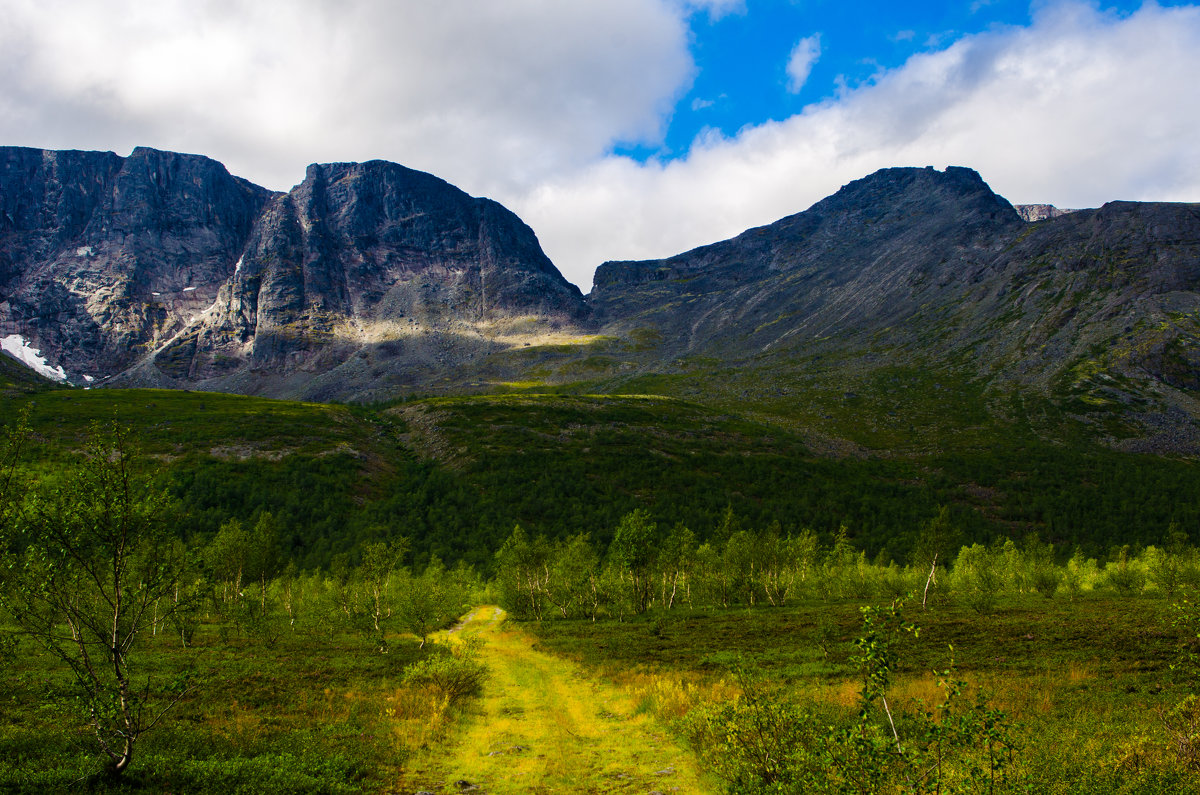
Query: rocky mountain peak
pixel 890 190
pixel 362 252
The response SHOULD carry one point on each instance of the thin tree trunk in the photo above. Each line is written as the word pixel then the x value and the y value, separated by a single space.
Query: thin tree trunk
pixel 931 579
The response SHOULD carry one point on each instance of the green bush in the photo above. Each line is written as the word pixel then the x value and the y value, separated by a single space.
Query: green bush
pixel 455 674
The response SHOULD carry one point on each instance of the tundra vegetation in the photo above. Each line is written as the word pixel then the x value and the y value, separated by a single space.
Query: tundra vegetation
pixel 211 653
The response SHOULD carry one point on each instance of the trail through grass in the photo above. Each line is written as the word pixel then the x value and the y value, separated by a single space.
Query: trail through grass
pixel 544 726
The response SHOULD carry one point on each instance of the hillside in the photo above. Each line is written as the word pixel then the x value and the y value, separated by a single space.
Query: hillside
pixel 455 475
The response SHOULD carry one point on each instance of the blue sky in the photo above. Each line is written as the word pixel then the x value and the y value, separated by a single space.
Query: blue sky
pixel 627 129
pixel 742 54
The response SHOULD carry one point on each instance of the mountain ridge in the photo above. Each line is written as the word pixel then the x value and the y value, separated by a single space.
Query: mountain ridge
pixel 369 281
pixel 916 272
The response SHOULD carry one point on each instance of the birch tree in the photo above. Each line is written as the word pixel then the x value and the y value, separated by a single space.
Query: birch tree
pixel 87 562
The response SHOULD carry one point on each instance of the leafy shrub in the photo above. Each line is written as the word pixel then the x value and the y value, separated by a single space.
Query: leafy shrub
pixel 1124 573
pixel 454 674
pixel 760 744
pixel 978 576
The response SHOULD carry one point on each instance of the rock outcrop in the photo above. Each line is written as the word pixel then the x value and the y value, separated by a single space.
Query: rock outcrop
pixel 1040 212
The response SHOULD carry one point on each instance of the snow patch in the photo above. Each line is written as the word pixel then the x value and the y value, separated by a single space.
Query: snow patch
pixel 85 251
pixel 155 293
pixel 188 289
pixel 88 378
pixel 237 268
pixel 16 346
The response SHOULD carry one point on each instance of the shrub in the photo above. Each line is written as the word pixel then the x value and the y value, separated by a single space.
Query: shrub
pixel 1124 573
pixel 978 576
pixel 454 674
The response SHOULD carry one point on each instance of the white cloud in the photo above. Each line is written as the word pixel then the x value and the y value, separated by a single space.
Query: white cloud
pixel 522 101
pixel 1080 108
pixel 800 63
pixel 488 95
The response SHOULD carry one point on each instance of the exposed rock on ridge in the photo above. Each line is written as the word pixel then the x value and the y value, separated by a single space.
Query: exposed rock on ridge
pixel 1040 212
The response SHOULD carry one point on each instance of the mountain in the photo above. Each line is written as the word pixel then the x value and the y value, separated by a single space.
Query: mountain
pixel 915 307
pixel 104 258
pixel 162 269
pixel 912 311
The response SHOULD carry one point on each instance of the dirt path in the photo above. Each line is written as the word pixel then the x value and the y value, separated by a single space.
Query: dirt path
pixel 543 726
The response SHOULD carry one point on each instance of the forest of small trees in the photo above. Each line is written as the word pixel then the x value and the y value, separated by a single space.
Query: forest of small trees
pixel 91 568
pixel 649 568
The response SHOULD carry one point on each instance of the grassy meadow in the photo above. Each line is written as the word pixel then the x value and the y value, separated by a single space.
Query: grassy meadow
pixel 610 706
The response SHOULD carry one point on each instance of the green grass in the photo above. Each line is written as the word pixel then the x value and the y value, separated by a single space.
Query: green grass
pixel 170 422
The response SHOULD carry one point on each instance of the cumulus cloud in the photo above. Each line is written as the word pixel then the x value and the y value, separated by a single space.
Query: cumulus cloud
pixel 1079 108
pixel 800 63
pixel 490 95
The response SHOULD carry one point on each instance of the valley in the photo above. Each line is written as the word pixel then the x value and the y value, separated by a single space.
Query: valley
pixel 278 445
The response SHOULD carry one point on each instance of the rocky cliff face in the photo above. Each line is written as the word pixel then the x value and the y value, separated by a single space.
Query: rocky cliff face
pixel 369 263
pixel 102 258
pixel 162 269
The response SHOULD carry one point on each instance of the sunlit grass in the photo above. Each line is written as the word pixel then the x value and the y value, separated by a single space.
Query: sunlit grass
pixel 545 725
